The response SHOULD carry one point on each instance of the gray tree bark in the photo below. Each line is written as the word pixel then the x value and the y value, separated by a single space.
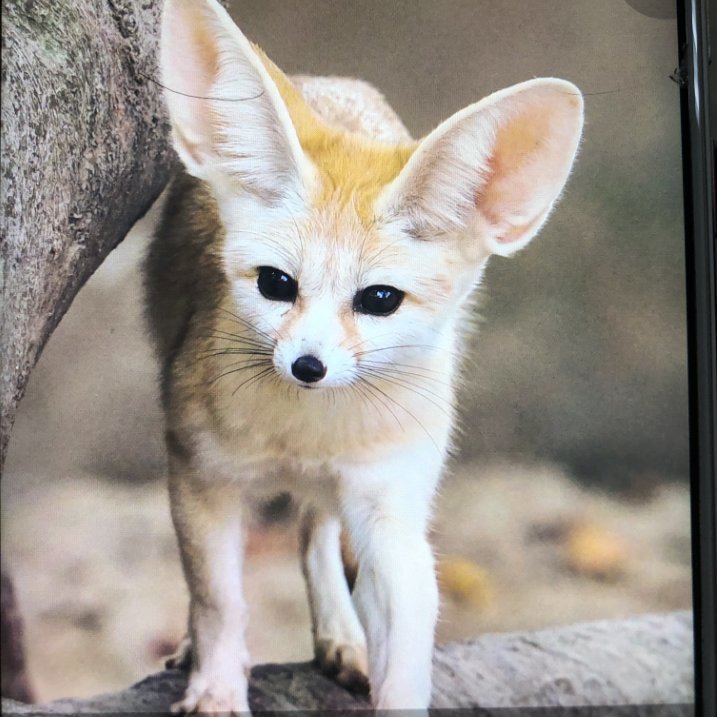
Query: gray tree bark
pixel 85 154
pixel 645 660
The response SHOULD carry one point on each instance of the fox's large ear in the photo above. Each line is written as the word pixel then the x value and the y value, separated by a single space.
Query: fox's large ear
pixel 493 170
pixel 228 120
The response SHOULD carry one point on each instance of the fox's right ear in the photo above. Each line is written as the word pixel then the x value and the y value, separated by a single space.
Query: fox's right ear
pixel 230 125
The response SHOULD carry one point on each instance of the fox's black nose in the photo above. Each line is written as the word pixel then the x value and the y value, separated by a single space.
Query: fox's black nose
pixel 308 368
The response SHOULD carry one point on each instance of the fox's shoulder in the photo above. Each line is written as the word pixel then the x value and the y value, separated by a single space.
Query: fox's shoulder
pixel 182 271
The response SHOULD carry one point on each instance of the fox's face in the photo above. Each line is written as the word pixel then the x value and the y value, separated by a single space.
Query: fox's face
pixel 336 300
pixel 348 258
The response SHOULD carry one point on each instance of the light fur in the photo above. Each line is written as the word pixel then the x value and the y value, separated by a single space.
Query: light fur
pixel 275 179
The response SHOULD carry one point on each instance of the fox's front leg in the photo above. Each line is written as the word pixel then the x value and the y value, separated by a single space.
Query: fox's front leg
pixel 208 524
pixel 339 642
pixel 386 508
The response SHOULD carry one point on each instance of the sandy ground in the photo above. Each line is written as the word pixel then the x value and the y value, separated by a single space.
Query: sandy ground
pixel 101 588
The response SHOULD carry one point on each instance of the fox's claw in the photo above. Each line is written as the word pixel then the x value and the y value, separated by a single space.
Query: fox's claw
pixel 346 664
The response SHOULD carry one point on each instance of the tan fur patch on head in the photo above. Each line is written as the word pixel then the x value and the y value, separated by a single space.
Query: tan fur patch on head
pixel 352 169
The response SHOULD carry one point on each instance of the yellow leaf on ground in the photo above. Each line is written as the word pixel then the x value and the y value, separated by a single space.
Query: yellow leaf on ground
pixel 595 551
pixel 464 581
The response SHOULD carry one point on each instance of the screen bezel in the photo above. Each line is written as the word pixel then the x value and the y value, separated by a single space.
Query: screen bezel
pixel 699 186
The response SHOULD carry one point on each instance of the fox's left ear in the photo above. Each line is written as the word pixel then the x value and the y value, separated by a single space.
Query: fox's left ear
pixel 493 170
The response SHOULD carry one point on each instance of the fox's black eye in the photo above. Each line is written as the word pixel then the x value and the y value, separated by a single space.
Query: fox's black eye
pixel 276 285
pixel 378 300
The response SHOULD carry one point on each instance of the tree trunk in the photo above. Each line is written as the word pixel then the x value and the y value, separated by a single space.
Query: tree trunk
pixel 85 154
pixel 645 660
pixel 14 681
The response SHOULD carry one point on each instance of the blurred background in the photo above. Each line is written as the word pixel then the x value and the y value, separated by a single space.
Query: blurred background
pixel 569 500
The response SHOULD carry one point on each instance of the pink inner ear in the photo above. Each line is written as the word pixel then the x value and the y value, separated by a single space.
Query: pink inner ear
pixel 525 171
pixel 193 56
pixel 516 233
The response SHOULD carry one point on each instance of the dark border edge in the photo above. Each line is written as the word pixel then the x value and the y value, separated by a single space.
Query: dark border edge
pixel 699 186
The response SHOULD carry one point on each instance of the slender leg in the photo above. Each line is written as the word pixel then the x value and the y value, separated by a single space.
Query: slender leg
pixel 339 642
pixel 208 525
pixel 386 509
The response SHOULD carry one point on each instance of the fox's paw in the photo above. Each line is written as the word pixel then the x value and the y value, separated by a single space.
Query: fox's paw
pixel 345 663
pixel 228 699
pixel 182 657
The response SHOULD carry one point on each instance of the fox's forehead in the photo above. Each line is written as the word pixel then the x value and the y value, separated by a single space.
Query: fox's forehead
pixel 332 254
pixel 352 169
pixel 329 248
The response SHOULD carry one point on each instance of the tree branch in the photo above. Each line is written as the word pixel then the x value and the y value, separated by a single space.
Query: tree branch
pixel 642 660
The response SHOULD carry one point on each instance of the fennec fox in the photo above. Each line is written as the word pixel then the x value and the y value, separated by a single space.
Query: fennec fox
pixel 308 288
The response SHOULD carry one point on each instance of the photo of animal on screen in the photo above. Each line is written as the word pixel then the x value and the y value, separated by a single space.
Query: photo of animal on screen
pixel 391 377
